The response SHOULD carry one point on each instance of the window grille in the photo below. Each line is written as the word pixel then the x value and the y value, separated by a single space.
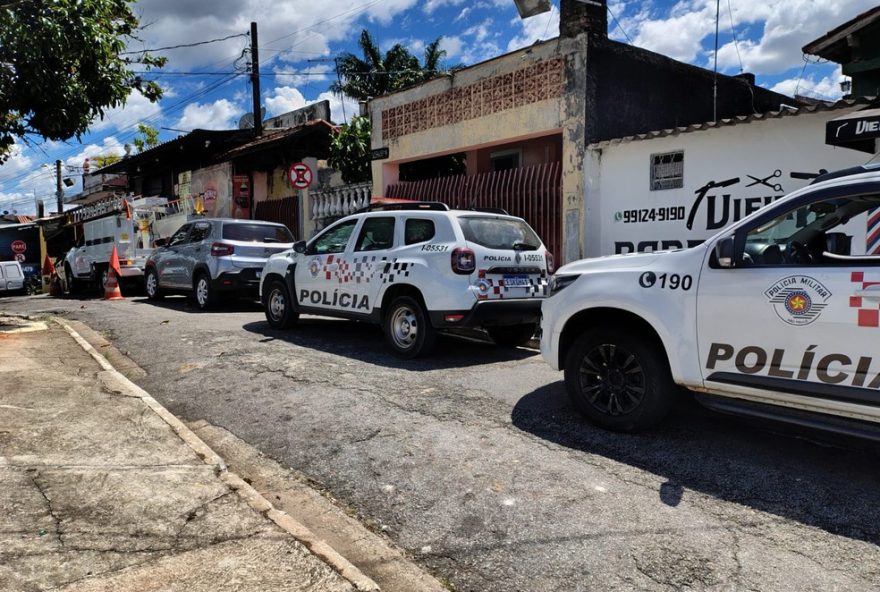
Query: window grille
pixel 667 171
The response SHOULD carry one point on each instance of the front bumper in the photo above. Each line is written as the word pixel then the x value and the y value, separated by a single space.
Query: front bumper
pixel 490 313
pixel 245 281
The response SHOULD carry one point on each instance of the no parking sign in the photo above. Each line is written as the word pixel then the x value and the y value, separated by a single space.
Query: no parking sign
pixel 300 175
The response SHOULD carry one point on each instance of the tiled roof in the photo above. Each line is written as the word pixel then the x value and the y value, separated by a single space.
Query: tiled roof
pixel 742 119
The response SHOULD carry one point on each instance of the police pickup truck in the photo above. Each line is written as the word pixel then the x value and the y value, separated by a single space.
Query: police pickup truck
pixel 777 316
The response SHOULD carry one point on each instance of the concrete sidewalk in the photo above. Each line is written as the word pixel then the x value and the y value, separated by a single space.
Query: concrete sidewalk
pixel 103 489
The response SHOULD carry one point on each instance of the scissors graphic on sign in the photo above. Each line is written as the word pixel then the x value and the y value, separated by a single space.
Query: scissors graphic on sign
pixel 774 187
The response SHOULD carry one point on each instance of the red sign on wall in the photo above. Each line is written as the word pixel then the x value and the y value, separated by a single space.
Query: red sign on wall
pixel 18 247
pixel 300 175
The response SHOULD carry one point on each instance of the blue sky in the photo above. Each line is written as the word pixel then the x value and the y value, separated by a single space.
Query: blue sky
pixel 299 39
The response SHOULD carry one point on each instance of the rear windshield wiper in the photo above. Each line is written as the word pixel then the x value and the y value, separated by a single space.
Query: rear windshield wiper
pixel 524 247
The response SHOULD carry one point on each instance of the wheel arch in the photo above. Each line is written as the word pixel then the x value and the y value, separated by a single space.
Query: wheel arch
pixel 395 291
pixel 607 316
pixel 199 269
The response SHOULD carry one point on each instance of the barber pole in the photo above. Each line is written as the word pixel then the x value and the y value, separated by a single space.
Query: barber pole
pixel 872 240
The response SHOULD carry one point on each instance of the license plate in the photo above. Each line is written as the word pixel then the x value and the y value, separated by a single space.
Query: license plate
pixel 517 280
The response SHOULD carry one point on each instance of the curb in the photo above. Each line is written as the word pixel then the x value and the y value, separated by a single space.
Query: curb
pixel 247 493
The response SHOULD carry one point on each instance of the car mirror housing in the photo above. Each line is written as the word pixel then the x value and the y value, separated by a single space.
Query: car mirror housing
pixel 299 246
pixel 724 250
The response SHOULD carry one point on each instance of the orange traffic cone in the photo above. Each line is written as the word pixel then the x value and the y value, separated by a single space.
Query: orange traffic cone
pixel 111 288
pixel 48 266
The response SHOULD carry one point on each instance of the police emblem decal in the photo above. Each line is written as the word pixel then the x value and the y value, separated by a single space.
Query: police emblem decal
pixel 798 299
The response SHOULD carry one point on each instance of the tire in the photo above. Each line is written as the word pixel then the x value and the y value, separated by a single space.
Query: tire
pixel 70 282
pixel 151 285
pixel 407 328
pixel 512 335
pixel 619 381
pixel 204 293
pixel 279 307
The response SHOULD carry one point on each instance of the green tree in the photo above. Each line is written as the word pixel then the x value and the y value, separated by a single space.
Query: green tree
pixel 376 74
pixel 103 160
pixel 147 137
pixel 62 64
pixel 350 150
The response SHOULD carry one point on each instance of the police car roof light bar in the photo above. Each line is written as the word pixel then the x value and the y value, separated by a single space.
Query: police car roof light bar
pixel 415 205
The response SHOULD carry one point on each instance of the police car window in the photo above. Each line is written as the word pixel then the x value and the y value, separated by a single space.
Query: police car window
pixel 829 232
pixel 335 239
pixel 499 233
pixel 418 231
pixel 376 234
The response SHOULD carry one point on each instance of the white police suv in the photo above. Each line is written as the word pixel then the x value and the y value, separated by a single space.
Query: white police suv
pixel 777 316
pixel 415 268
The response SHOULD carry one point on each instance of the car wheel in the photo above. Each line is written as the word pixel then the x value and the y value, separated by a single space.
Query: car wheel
pixel 151 285
pixel 204 293
pixel 619 381
pixel 280 309
pixel 512 335
pixel 70 282
pixel 407 328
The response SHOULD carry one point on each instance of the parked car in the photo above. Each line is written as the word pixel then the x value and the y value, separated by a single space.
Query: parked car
pixel 415 268
pixel 11 278
pixel 208 257
pixel 777 316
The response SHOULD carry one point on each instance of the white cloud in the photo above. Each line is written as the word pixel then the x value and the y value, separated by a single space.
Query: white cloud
pixel 285 99
pixel 679 36
pixel 542 26
pixel 302 76
pixel 221 114
pixel 827 87
pixel 136 109
pixel 453 46
pixel 432 5
pixel 341 109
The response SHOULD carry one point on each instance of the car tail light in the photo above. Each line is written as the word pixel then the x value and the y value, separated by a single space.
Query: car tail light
pixel 221 249
pixel 464 262
pixel 551 264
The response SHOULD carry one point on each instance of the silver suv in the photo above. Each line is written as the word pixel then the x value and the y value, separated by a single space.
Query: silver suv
pixel 210 256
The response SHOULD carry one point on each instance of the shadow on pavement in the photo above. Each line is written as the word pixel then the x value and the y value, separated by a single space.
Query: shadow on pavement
pixel 815 478
pixel 187 304
pixel 366 342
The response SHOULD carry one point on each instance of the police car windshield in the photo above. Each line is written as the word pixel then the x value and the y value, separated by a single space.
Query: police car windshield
pixel 499 233
pixel 257 233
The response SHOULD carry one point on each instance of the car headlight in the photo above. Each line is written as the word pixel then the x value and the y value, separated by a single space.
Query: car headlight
pixel 558 282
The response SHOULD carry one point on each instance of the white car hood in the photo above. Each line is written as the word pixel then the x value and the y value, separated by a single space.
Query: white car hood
pixel 627 261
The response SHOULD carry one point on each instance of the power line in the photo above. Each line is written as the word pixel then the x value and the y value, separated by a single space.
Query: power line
pixel 619 26
pixel 185 44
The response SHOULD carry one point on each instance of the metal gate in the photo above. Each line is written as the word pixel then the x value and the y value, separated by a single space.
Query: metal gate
pixel 285 211
pixel 533 193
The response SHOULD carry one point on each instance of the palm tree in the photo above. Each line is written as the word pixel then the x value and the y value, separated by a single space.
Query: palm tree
pixel 375 75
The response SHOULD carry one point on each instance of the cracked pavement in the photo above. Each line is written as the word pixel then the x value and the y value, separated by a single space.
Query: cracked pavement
pixel 474 463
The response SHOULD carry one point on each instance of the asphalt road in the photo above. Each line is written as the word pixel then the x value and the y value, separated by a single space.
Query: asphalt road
pixel 474 462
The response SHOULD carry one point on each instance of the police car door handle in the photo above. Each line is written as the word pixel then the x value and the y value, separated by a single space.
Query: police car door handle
pixel 871 294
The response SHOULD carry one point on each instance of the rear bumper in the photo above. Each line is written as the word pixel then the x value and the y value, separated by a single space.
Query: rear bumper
pixel 245 281
pixel 490 313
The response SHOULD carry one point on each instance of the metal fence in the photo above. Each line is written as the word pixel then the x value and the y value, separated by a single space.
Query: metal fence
pixel 284 211
pixel 533 193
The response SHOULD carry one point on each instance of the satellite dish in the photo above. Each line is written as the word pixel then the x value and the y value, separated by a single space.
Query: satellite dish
pixel 246 121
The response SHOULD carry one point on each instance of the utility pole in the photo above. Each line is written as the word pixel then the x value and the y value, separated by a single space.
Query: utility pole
pixel 255 81
pixel 59 191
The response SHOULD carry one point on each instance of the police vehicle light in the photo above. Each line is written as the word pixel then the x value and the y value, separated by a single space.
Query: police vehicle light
pixel 464 262
pixel 558 282
pixel 551 264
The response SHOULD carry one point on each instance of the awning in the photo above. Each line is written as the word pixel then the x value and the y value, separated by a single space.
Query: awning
pixel 857 130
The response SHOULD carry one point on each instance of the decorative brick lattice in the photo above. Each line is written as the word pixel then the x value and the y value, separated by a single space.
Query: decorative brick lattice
pixel 528 85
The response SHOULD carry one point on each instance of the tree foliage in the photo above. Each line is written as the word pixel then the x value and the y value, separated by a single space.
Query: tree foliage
pixel 62 65
pixel 103 160
pixel 376 74
pixel 147 137
pixel 350 150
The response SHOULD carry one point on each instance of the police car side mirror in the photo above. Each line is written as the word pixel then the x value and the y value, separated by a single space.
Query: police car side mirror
pixel 299 246
pixel 724 250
